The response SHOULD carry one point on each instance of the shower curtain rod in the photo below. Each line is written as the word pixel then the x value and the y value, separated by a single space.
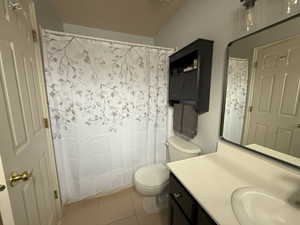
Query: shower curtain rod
pixel 105 40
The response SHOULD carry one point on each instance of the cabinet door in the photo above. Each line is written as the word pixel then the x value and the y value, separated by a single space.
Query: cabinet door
pixel 187 203
pixel 203 218
pixel 176 215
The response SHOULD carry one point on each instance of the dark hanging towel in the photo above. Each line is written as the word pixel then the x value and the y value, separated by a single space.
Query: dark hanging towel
pixel 177 117
pixel 189 121
pixel 185 120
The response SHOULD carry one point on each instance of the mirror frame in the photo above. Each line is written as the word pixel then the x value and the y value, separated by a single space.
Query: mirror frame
pixel 225 88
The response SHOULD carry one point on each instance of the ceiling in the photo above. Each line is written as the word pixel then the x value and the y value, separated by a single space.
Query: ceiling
pixel 140 17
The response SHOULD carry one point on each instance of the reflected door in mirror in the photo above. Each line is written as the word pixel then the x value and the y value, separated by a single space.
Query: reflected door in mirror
pixel 275 114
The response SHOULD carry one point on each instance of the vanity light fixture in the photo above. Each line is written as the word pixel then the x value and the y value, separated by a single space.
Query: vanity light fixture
pixel 249 17
pixel 291 5
pixel 249 3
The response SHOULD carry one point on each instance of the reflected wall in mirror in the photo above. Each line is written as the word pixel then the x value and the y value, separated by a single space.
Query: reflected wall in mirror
pixel 261 107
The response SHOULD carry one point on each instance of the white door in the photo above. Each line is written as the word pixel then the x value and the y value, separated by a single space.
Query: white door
pixel 275 116
pixel 23 138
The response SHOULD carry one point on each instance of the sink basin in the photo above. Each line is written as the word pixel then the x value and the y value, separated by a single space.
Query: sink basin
pixel 254 206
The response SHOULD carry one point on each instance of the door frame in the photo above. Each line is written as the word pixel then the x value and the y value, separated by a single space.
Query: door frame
pixel 250 95
pixel 53 166
pixel 40 68
pixel 51 151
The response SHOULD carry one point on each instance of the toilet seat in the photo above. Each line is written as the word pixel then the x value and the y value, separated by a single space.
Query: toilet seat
pixel 151 180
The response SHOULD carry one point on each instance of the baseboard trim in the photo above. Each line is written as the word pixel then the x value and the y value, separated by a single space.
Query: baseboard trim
pixel 102 194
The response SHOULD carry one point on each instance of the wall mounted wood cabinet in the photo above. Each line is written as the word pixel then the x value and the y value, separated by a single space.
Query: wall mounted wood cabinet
pixel 190 75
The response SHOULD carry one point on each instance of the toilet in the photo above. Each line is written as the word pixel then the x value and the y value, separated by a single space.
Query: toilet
pixel 152 180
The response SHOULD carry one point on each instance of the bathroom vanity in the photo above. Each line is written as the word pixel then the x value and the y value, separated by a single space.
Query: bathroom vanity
pixel 229 188
pixel 184 209
pixel 254 176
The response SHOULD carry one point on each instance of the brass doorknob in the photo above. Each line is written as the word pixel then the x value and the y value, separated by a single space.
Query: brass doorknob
pixel 2 187
pixel 15 177
pixel 298 125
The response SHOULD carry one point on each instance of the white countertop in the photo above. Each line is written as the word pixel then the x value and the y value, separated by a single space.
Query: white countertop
pixel 211 179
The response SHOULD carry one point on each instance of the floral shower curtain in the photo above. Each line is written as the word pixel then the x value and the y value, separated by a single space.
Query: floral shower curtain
pixel 108 110
pixel 236 97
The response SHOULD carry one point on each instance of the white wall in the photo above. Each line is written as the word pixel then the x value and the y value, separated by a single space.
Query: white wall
pixel 215 20
pixel 47 15
pixel 101 33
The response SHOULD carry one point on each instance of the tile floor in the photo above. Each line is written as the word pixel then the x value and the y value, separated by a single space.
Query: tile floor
pixel 122 208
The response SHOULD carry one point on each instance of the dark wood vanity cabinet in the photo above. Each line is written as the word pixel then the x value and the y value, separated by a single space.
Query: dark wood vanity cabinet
pixel 184 209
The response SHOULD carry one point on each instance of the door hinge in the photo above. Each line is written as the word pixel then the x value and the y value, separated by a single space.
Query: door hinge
pixel 34 36
pixel 256 64
pixel 250 108
pixel 55 194
pixel 46 122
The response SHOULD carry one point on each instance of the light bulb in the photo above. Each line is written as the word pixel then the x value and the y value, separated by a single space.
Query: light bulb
pixel 291 4
pixel 249 19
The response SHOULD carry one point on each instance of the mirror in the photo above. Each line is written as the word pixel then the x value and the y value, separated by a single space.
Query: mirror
pixel 261 108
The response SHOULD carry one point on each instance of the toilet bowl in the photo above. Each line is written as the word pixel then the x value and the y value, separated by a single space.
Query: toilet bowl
pixel 152 180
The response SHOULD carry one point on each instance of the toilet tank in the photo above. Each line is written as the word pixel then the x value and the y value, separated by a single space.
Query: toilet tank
pixel 179 149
